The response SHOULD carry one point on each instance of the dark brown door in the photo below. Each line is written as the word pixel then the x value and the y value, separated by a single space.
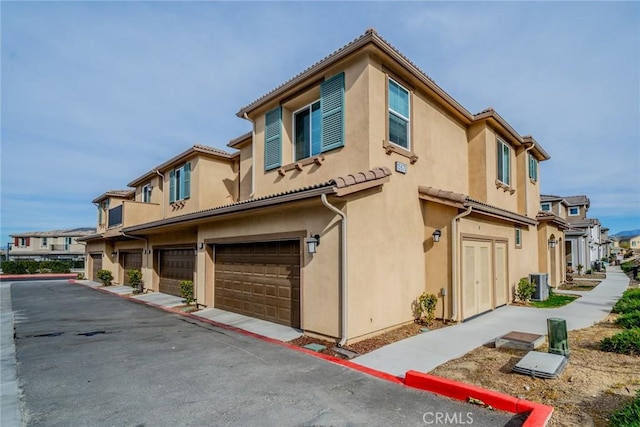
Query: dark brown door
pixel 96 261
pixel 176 265
pixel 260 280
pixel 131 261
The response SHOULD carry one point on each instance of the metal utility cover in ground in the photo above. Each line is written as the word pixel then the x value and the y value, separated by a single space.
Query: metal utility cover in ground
pixel 541 365
pixel 520 340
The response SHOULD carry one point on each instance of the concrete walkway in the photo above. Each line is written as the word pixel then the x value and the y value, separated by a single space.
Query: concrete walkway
pixel 251 324
pixel 426 351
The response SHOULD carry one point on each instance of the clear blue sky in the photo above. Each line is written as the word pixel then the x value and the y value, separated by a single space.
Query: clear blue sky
pixel 95 94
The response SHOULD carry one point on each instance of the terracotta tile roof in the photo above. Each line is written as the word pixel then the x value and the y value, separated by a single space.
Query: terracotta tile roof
pixel 465 201
pixel 235 141
pixel 550 198
pixel 114 193
pixel 69 232
pixel 577 200
pixel 550 216
pixel 329 187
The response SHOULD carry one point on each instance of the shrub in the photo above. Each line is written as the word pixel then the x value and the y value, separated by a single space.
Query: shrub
pixel 629 320
pixel 625 342
pixel 186 289
pixel 629 302
pixel 579 267
pixel 425 307
pixel 589 271
pixel 135 279
pixel 525 289
pixel 81 276
pixel 56 266
pixel 628 415
pixel 105 276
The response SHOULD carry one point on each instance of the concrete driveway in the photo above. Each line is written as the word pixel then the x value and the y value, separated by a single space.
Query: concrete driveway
pixel 85 358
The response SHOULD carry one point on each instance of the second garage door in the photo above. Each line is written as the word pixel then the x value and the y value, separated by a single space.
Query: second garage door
pixel 96 265
pixel 131 261
pixel 175 266
pixel 260 280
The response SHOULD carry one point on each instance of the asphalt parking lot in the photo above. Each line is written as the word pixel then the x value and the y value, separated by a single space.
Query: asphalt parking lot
pixel 85 358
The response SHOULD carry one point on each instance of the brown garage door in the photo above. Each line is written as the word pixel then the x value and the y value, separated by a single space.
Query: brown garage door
pixel 96 261
pixel 131 261
pixel 176 265
pixel 260 280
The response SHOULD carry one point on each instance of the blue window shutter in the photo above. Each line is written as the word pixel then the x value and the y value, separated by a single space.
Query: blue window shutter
pixel 332 105
pixel 272 139
pixel 172 186
pixel 186 193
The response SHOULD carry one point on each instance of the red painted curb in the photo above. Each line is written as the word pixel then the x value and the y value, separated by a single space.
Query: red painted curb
pixel 539 414
pixel 20 277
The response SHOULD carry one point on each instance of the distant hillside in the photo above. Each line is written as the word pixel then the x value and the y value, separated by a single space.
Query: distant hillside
pixel 628 233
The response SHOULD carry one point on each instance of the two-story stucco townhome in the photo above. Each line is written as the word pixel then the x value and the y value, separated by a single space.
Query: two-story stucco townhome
pixel 361 185
pixel 50 244
pixel 586 240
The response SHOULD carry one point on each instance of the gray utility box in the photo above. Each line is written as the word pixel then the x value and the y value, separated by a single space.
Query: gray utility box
pixel 541 280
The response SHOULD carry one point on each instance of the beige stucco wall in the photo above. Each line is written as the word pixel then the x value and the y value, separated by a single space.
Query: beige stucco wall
pixel 551 260
pixel 348 159
pixel 246 170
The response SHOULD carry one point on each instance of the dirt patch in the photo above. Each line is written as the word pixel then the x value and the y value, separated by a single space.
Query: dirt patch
pixel 186 308
pixel 594 384
pixel 580 285
pixel 368 345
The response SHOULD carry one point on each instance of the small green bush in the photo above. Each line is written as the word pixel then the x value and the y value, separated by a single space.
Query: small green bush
pixel 525 289
pixel 629 302
pixel 579 267
pixel 625 342
pixel 81 276
pixel 56 266
pixel 589 271
pixel 186 290
pixel 425 308
pixel 629 320
pixel 628 415
pixel 105 276
pixel 135 279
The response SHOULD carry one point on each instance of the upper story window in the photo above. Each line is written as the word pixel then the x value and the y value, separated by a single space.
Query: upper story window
pixel 545 207
pixel 22 242
pixel 146 193
pixel 307 124
pixel 575 211
pixel 44 242
pixel 504 163
pixel 67 243
pixel 533 168
pixel 399 113
pixel 102 210
pixel 518 238
pixel 180 183
pixel 317 128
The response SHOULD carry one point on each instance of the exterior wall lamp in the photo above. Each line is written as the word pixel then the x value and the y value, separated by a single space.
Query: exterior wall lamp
pixel 113 254
pixel 313 241
pixel 201 246
pixel 552 243
pixel 436 236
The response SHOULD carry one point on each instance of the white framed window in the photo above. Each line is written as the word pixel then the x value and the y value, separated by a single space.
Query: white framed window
pixel 307 131
pixel 545 207
pixel 146 193
pixel 575 211
pixel 67 243
pixel 44 242
pixel 518 238
pixel 24 242
pixel 399 115
pixel 504 163
pixel 533 168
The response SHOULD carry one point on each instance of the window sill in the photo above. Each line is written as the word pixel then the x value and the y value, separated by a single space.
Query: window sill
pixel 392 148
pixel 299 165
pixel 533 181
pixel 505 187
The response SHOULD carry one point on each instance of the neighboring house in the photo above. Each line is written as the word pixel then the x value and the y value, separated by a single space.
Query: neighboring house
pixel 633 242
pixel 49 245
pixel 361 185
pixel 587 241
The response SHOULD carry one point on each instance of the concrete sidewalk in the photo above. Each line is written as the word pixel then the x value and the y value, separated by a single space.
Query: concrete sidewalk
pixel 250 324
pixel 426 351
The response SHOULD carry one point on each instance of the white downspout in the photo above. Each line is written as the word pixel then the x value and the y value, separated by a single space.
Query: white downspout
pixel 343 268
pixel 253 156
pixel 454 261
pixel 162 176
